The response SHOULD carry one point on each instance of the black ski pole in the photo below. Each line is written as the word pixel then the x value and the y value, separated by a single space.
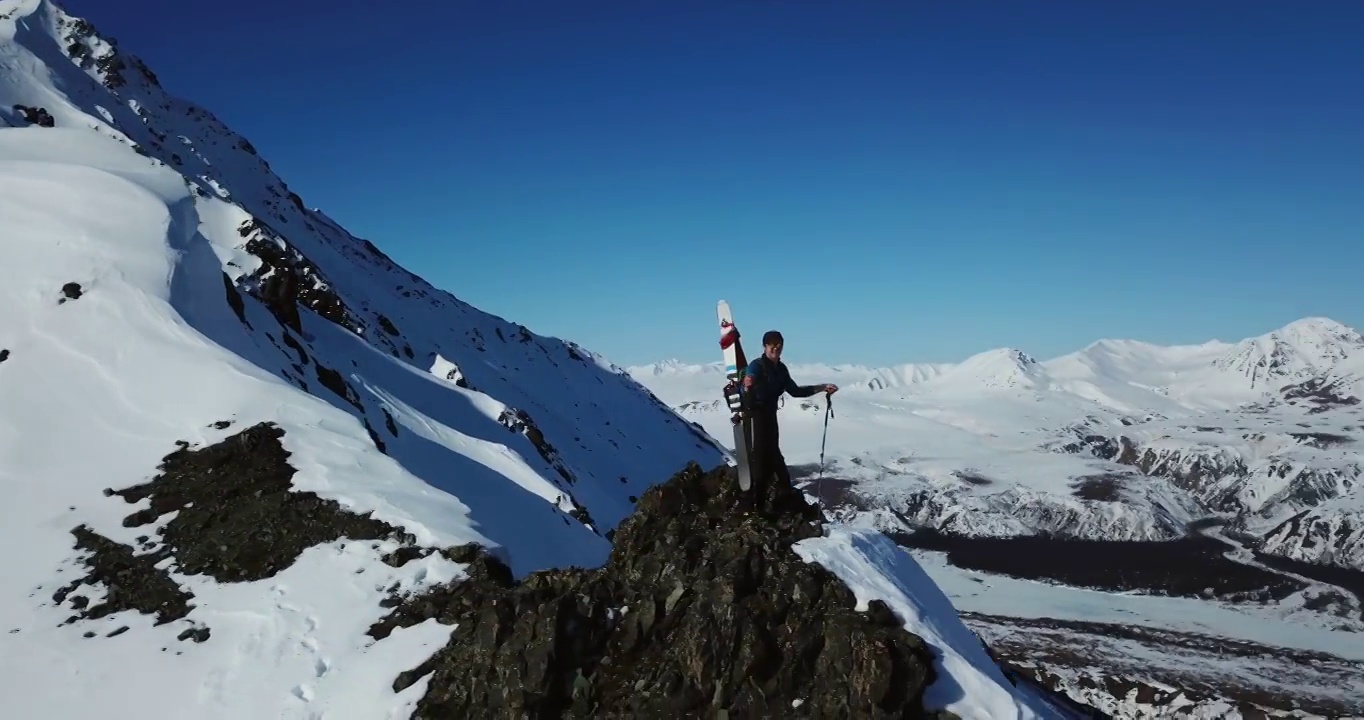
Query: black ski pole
pixel 819 479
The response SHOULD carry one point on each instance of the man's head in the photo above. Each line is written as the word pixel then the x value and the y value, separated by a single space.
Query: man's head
pixel 772 345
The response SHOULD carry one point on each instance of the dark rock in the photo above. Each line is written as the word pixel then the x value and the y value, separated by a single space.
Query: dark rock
pixel 198 634
pixel 287 279
pixel 237 517
pixel 1319 394
pixel 112 66
pixel 1321 440
pixel 699 612
pixel 71 291
pixel 291 342
pixel 1103 487
pixel 4 355
pixel 234 300
pixel 332 380
pixel 518 420
pixel 131 582
pixel 36 115
pixel 374 437
pixel 972 478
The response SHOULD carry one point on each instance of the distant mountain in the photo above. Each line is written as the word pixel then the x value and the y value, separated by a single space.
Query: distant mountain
pixel 1296 352
pixel 1225 475
pixel 992 369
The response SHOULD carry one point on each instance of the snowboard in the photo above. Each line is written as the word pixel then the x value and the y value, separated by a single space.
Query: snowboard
pixel 735 365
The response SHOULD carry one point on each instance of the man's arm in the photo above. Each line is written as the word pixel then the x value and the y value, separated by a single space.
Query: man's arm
pixel 800 390
pixel 754 367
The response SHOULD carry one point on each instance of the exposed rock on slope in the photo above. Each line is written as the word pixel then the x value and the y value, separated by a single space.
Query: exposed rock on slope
pixel 234 516
pixel 699 612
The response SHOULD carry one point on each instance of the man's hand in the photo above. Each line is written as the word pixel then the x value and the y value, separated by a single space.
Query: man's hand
pixel 830 389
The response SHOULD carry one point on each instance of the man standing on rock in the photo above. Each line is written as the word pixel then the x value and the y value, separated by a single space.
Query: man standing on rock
pixel 764 382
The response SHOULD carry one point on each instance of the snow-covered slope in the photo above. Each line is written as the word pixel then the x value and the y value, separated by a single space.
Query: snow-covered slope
pixel 232 435
pixel 205 263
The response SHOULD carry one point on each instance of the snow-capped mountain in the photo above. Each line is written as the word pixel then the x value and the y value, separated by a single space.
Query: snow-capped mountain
pixel 254 468
pixel 1123 467
pixel 1000 368
pixel 1296 352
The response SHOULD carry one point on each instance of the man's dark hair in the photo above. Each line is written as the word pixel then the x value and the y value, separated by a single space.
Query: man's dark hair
pixel 772 337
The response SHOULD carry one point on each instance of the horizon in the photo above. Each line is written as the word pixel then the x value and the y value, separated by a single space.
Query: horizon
pixel 1228 341
pixel 1038 180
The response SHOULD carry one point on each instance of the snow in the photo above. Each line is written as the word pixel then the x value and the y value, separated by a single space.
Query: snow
pixel 151 204
pixel 289 646
pixel 969 684
pixel 995 446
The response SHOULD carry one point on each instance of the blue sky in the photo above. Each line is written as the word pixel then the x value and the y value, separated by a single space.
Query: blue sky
pixel 883 181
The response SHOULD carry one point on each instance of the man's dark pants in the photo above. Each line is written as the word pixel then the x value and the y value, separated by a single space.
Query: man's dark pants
pixel 767 459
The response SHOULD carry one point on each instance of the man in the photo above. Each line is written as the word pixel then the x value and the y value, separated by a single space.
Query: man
pixel 765 380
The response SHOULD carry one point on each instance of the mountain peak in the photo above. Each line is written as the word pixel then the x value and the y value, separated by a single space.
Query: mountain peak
pixel 1003 367
pixel 1320 330
pixel 1299 350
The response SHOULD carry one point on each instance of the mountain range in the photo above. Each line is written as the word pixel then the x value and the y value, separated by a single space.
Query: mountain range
pixel 1260 431
pixel 1211 489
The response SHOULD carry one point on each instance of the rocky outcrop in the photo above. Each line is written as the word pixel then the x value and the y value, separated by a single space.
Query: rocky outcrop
pixel 1220 478
pixel 35 116
pixel 1319 394
pixel 287 279
pixel 700 612
pixel 519 421
pixel 1206 473
pixel 234 516
pixel 1329 537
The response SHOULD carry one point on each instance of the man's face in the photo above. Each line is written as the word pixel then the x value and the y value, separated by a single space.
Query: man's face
pixel 773 352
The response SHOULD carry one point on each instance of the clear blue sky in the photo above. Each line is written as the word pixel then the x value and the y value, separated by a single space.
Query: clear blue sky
pixel 884 181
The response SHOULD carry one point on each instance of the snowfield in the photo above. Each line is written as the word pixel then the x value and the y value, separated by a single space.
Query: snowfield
pixel 164 292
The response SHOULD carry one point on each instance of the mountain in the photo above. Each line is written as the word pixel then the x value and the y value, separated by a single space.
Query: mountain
pixel 1296 352
pixel 252 467
pixel 992 369
pixel 1213 492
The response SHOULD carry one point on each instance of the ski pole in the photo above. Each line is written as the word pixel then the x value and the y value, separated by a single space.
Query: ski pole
pixel 819 480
